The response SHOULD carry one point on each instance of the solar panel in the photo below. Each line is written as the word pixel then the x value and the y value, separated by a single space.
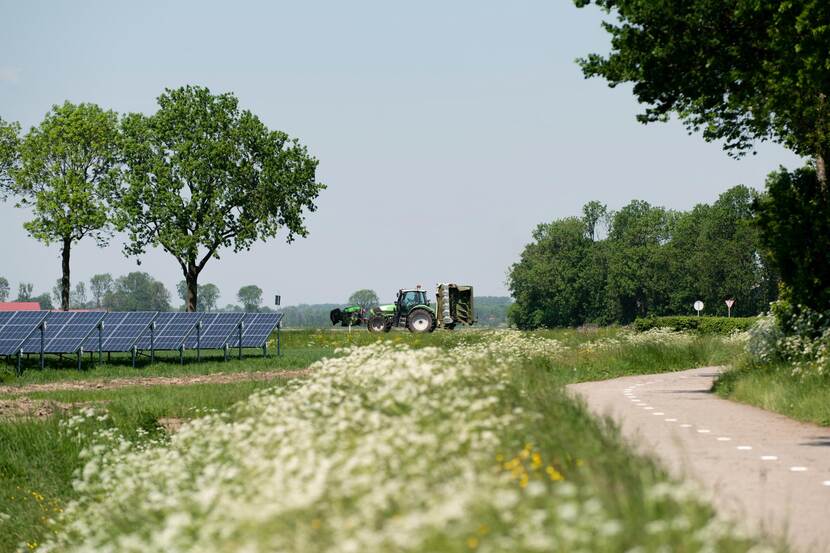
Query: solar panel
pixel 66 332
pixel 121 331
pixel 172 329
pixel 257 328
pixel 17 329
pixel 72 336
pixel 217 329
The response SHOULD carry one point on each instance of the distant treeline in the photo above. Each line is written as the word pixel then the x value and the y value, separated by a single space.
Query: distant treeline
pixel 612 267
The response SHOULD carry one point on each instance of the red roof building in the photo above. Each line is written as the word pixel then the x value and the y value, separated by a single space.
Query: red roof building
pixel 19 306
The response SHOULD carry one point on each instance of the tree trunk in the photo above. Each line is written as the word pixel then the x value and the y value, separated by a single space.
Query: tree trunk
pixel 67 246
pixel 192 279
pixel 821 170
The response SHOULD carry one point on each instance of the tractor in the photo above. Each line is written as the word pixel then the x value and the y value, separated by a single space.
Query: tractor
pixel 412 310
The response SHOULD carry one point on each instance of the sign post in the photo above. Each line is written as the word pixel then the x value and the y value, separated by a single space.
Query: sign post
pixel 698 307
pixel 729 304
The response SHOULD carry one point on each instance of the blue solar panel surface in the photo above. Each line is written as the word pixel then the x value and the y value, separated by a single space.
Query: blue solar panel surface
pixel 172 329
pixel 17 328
pixel 217 329
pixel 121 331
pixel 66 332
pixel 257 328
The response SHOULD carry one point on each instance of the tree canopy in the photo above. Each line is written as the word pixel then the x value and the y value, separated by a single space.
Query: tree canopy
pixel 4 289
pixel 9 153
pixel 137 291
pixel 202 175
pixel 250 296
pixel 364 298
pixel 64 169
pixel 737 71
pixel 653 262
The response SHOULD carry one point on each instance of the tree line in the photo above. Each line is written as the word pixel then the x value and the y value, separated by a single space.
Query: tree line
pixel 612 267
pixel 198 176
pixel 136 291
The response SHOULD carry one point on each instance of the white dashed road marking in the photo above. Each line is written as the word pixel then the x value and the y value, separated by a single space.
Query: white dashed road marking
pixel 724 439
pixel 744 447
pixel 798 469
pixel 769 458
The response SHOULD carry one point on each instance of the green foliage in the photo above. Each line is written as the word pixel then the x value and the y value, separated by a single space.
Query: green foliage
pixel 250 296
pixel 739 71
pixel 704 325
pixel 208 295
pixel 99 286
pixel 66 167
pixel 9 153
pixel 24 291
pixel 4 289
pixel 202 175
pixel 794 218
pixel 45 301
pixel 364 298
pixel 137 291
pixel 653 262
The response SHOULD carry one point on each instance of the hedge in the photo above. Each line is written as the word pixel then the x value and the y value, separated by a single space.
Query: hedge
pixel 704 325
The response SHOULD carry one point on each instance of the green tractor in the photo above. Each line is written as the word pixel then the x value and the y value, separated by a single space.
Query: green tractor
pixel 412 310
pixel 352 315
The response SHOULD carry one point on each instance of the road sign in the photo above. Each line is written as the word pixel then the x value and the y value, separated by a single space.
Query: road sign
pixel 729 304
pixel 698 307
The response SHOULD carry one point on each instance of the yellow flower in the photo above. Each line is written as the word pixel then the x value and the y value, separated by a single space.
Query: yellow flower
pixel 554 474
pixel 472 542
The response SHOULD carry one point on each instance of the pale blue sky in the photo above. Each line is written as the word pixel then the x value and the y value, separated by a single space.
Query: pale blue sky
pixel 446 131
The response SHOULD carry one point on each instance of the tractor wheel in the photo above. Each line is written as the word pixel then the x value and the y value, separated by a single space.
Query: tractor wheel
pixel 376 324
pixel 420 320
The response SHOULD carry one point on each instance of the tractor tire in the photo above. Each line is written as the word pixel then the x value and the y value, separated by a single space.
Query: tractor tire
pixel 377 324
pixel 419 321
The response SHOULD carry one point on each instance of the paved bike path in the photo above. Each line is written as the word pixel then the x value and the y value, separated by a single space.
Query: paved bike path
pixel 764 470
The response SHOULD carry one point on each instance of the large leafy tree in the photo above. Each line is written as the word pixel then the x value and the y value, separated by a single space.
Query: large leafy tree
pixel 364 298
pixel 99 285
pixel 137 291
pixel 63 171
pixel 737 70
pixel 202 175
pixel 250 296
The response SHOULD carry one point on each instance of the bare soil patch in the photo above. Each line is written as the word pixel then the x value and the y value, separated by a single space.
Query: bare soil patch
pixel 184 380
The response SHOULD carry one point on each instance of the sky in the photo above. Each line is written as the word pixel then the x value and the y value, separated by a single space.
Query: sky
pixel 445 131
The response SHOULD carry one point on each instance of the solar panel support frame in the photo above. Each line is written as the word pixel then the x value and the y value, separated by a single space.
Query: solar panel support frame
pixel 42 327
pixel 199 341
pixel 241 330
pixel 153 342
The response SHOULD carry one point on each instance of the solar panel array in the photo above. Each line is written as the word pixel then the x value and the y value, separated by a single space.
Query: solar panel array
pixel 120 331
pixel 16 327
pixel 66 332
pixel 256 330
pixel 217 329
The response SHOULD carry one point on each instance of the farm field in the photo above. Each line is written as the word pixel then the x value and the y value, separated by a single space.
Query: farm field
pixel 444 442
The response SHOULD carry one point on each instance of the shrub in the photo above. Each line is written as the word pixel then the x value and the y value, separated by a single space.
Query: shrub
pixel 704 325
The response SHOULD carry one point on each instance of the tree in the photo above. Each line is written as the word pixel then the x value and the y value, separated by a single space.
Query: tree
pixel 739 71
pixel 100 285
pixel 556 280
pixel 24 291
pixel 795 229
pixel 137 291
pixel 364 298
pixel 202 175
pixel 9 154
pixel 4 289
pixel 44 300
pixel 250 296
pixel 66 166
pixel 208 295
pixel 592 213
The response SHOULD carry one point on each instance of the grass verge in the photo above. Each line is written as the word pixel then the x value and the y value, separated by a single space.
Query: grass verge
pixel 774 388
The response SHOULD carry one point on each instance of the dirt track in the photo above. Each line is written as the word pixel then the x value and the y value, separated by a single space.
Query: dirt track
pixel 217 378
pixel 762 469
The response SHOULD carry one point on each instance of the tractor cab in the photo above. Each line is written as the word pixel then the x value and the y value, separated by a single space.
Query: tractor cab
pixel 407 299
